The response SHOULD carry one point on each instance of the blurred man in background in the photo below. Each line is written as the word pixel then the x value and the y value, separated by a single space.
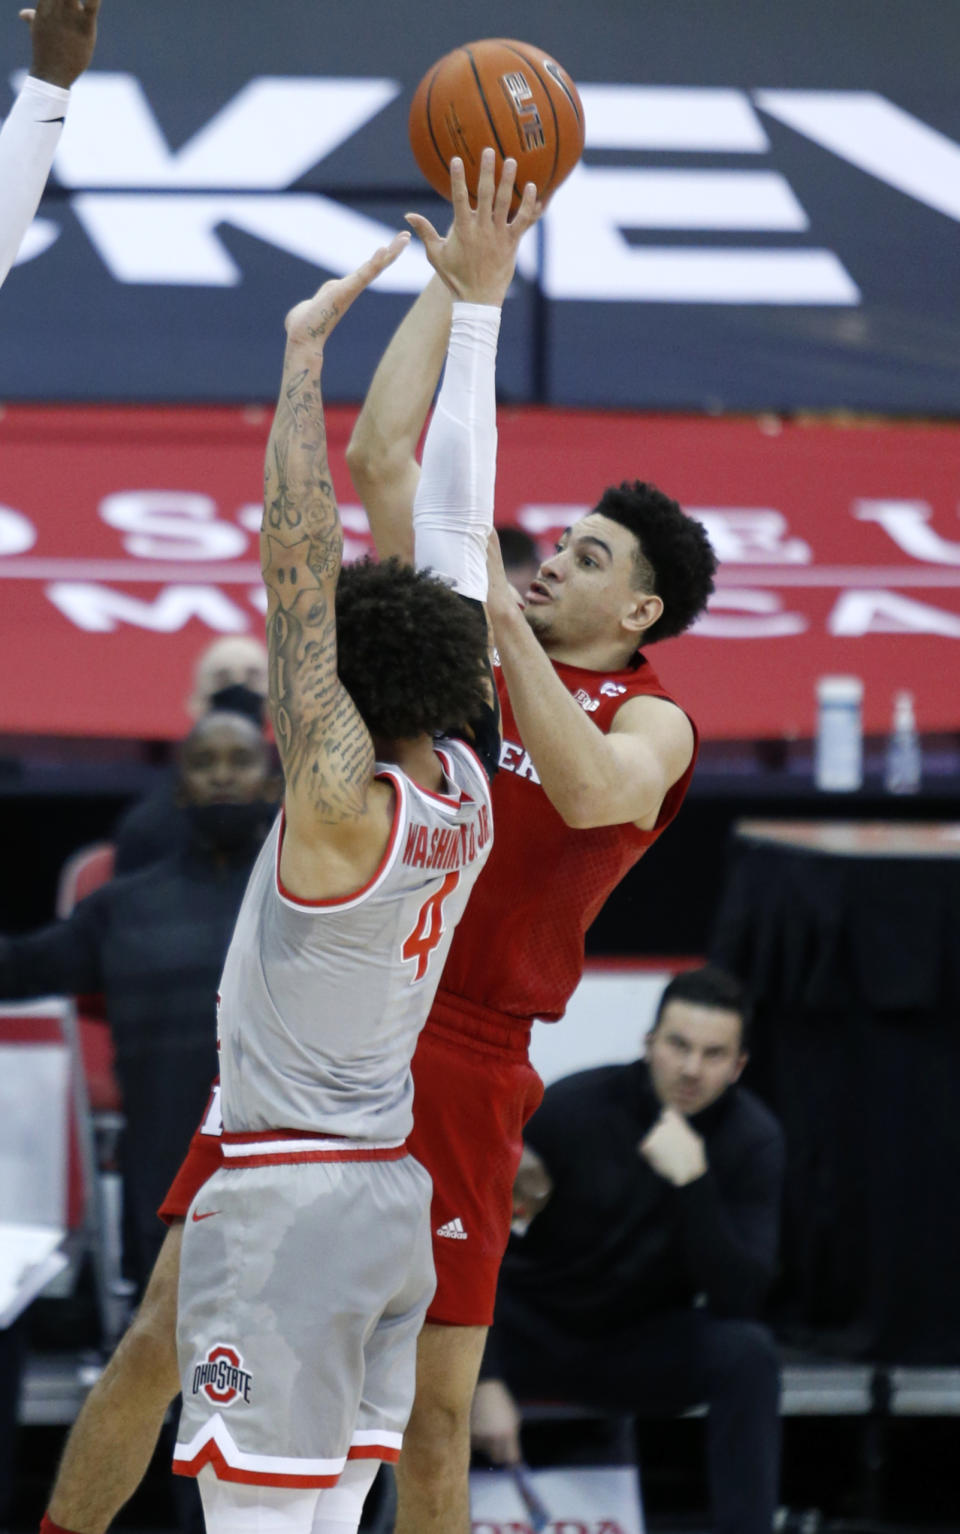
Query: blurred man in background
pixel 648 1205
pixel 231 675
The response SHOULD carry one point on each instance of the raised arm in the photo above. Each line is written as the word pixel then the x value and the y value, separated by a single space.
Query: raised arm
pixel 453 505
pixel 325 747
pixel 63 33
pixel 474 264
pixel 382 452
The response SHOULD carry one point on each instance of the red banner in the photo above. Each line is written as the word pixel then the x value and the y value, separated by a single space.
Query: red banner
pixel 127 542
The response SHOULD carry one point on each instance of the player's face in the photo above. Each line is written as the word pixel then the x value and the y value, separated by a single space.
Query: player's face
pixel 587 591
pixel 224 762
pixel 694 1054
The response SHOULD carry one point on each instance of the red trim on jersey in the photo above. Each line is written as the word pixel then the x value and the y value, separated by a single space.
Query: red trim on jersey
pixel 374 1451
pixel 447 799
pixel 459 741
pixel 342 900
pixel 481 769
pixel 211 1454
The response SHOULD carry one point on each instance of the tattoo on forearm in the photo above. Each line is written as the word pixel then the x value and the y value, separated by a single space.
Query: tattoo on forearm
pixel 326 749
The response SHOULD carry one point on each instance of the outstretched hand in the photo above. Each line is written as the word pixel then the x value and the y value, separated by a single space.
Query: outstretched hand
pixel 478 256
pixel 63 33
pixel 312 320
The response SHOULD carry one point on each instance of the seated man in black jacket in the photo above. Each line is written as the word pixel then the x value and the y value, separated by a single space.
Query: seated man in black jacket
pixel 649 1204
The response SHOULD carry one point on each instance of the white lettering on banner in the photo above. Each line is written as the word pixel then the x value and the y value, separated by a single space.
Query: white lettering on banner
pixel 251 515
pixel 694 199
pixel 38 238
pixel 751 536
pixel 587 254
pixel 907 524
pixel 171 524
pixel 879 138
pixel 100 609
pixel 887 612
pixel 175 541
pixel 760 615
pixel 277 128
pixel 16 533
pixel 155 238
pixel 273 131
pixel 675 117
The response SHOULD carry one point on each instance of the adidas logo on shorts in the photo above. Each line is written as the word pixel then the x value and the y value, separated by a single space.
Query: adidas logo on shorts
pixel 453 1229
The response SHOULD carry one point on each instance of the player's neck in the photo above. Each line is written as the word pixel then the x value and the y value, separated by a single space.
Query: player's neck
pixel 417 758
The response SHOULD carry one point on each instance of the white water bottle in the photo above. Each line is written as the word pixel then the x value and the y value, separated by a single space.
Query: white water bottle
pixel 838 762
pixel 902 765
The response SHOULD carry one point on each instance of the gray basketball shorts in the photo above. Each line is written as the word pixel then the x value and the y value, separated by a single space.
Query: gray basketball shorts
pixel 304 1282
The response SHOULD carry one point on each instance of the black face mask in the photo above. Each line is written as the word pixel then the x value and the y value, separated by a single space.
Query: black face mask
pixel 238 699
pixel 230 827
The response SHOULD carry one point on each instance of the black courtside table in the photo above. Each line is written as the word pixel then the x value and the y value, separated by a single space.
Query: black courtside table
pixel 847 935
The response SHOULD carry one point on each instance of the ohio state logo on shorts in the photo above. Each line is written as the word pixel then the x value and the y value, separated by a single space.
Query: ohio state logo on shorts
pixel 221 1376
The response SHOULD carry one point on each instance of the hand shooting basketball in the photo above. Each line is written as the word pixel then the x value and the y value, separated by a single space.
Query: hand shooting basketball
pixel 478 256
pixel 508 94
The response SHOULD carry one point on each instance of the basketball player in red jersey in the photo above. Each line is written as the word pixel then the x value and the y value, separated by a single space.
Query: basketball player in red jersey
pixel 595 762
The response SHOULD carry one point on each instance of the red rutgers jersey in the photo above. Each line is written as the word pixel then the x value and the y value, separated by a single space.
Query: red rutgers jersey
pixel 519 948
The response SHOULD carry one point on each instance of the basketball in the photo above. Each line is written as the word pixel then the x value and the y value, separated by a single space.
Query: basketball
pixel 508 96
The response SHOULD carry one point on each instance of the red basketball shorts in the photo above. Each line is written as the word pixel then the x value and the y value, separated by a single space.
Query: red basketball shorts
pixel 474 1089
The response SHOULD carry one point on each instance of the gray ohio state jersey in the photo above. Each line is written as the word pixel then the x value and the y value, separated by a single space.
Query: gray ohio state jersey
pixel 321 1001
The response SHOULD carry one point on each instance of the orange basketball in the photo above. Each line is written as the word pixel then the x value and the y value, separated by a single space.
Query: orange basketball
pixel 504 95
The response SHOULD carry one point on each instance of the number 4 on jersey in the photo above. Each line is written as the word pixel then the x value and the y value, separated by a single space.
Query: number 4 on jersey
pixel 429 927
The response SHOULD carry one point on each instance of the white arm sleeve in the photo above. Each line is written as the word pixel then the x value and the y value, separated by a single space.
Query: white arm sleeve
pixel 28 140
pixel 453 509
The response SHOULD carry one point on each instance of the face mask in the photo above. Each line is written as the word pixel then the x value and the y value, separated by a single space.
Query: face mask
pixel 238 699
pixel 230 827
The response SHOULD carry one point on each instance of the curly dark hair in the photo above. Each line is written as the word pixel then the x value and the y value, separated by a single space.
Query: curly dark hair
pixel 674 557
pixel 410 652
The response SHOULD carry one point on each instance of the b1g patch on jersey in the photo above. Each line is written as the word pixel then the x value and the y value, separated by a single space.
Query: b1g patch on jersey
pixel 221 1376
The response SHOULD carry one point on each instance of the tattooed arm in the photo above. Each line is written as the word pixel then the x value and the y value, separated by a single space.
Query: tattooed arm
pixel 325 747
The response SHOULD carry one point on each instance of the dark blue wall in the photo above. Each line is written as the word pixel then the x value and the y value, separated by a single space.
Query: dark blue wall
pixel 583 327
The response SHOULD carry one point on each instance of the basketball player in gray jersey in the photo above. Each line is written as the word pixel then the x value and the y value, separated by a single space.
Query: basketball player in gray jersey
pixel 306 1266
